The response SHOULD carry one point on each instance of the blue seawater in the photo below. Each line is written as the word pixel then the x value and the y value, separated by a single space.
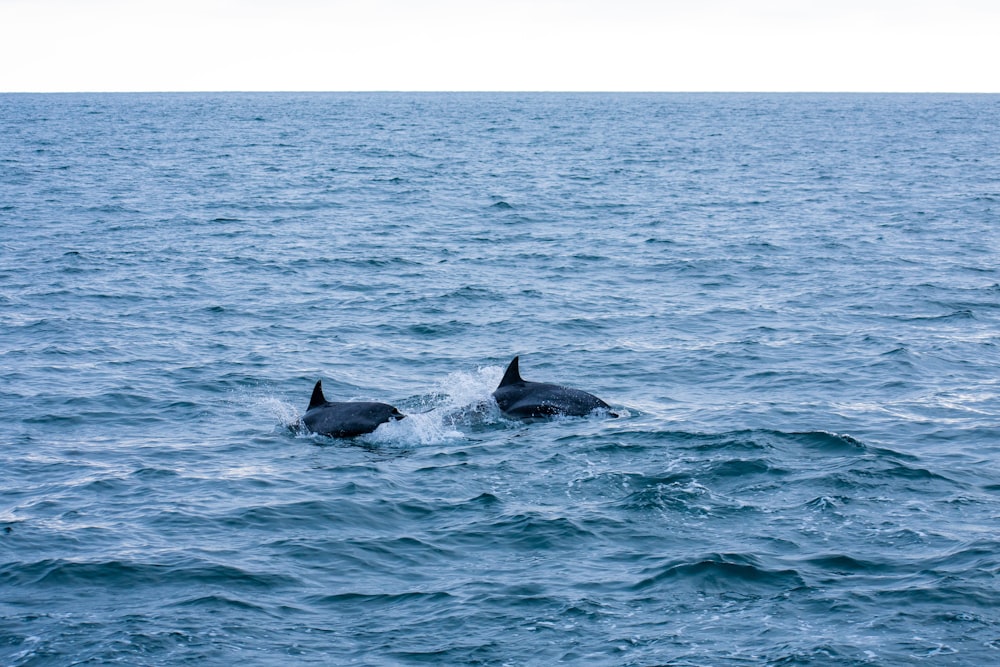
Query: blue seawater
pixel 792 300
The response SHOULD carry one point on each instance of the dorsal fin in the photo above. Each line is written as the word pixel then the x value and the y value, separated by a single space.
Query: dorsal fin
pixel 317 397
pixel 512 375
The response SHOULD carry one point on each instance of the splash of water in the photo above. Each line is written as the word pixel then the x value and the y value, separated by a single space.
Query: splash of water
pixel 462 399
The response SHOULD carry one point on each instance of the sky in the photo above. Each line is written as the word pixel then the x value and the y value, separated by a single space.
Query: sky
pixel 510 45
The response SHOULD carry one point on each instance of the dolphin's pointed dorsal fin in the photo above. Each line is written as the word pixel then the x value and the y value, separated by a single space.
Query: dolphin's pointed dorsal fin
pixel 317 397
pixel 512 375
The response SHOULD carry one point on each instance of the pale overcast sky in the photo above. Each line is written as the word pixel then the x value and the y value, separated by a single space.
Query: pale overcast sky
pixel 590 45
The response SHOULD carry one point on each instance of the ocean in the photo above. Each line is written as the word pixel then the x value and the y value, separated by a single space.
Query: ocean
pixel 791 301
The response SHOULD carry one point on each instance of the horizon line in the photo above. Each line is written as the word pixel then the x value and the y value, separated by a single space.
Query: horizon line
pixel 222 91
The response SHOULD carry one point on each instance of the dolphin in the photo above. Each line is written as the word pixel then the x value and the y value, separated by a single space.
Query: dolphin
pixel 519 398
pixel 348 419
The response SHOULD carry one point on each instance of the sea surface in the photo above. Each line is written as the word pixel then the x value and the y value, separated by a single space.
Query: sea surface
pixel 792 302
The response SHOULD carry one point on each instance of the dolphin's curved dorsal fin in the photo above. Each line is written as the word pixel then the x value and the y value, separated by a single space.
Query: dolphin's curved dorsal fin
pixel 317 397
pixel 512 375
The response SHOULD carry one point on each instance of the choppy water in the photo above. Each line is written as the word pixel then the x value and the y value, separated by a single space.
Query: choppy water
pixel 793 300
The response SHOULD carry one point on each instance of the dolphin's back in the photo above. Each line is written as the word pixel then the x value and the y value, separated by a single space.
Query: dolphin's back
pixel 540 399
pixel 345 419
pixel 520 398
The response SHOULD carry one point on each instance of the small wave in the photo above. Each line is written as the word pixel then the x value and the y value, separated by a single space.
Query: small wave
pixel 826 441
pixel 220 603
pixel 979 556
pixel 723 573
pixel 533 531
pixel 293 514
pixel 746 442
pixel 127 573
pixel 963 314
pixel 842 564
pixel 742 468
pixel 379 600
pixel 768 439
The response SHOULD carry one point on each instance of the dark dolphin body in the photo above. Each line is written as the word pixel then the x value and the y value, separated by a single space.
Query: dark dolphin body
pixel 519 398
pixel 345 420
